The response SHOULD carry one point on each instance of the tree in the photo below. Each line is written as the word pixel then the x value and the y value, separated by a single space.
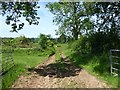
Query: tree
pixel 106 33
pixel 45 41
pixel 69 15
pixel 62 38
pixel 42 41
pixel 108 15
pixel 22 41
pixel 15 10
pixel 62 35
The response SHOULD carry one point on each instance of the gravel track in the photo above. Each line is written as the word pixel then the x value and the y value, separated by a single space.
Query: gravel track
pixel 48 75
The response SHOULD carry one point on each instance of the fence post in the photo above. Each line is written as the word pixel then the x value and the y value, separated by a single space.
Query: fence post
pixel 111 61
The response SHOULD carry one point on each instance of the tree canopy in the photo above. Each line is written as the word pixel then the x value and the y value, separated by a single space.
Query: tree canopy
pixel 15 10
pixel 77 16
pixel 70 15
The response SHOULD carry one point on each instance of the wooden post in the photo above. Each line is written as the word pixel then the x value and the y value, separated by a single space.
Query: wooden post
pixel 111 61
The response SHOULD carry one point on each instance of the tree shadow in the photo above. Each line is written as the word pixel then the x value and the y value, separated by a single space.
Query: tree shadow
pixel 60 69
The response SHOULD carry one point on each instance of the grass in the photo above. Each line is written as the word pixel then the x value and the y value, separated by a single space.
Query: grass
pixel 23 61
pixel 97 65
pixel 59 49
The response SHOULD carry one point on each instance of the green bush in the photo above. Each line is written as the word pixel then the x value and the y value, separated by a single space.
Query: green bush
pixel 81 45
pixel 102 42
pixel 51 50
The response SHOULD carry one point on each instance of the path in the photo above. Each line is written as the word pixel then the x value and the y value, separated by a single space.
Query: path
pixel 50 75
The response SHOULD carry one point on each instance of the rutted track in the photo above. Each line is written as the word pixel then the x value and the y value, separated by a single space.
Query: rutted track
pixel 48 75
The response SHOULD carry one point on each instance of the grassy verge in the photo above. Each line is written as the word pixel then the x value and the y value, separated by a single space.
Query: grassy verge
pixel 59 48
pixel 58 51
pixel 97 65
pixel 23 59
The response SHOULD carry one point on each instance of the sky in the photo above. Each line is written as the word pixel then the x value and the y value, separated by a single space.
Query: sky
pixel 46 25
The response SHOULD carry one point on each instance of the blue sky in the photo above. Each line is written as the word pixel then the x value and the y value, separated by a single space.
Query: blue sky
pixel 45 26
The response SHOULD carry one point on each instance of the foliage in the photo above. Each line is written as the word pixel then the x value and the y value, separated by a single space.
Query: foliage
pixel 23 59
pixel 12 75
pixel 15 10
pixel 7 41
pixel 45 41
pixel 70 16
pixel 96 64
pixel 92 38
pixel 97 42
pixel 22 41
pixel 107 26
pixel 42 41
pixel 97 21
pixel 63 35
pixel 26 54
pixel 62 38
pixel 102 42
pixel 108 13
pixel 81 45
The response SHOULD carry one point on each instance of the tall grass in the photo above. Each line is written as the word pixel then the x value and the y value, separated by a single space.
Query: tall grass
pixel 95 64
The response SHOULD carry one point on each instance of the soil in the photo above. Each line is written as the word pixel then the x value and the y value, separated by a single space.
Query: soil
pixel 63 74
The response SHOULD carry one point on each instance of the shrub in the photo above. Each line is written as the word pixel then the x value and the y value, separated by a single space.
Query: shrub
pixel 102 42
pixel 81 45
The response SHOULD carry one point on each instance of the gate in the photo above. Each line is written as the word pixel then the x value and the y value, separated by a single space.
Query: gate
pixel 115 62
pixel 6 62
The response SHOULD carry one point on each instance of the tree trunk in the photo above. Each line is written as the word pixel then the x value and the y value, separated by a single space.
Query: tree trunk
pixel 75 28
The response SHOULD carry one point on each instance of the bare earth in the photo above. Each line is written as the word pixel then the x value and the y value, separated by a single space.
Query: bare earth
pixel 48 75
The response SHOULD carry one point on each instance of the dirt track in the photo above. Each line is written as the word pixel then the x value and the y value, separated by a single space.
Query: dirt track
pixel 50 75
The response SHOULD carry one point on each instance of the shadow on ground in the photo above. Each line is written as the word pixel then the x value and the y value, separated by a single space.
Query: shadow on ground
pixel 60 69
